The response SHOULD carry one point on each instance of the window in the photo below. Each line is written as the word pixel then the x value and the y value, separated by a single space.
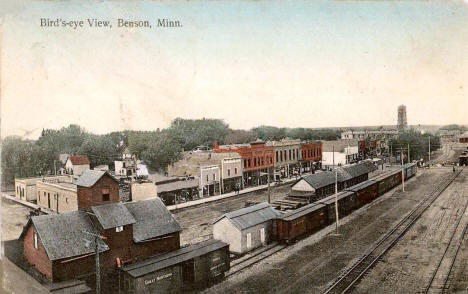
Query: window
pixel 255 161
pixel 277 157
pixel 289 154
pixel 249 162
pixel 207 178
pixel 35 241
pixel 119 229
pixel 105 194
pixel 39 196
pixel 214 177
pixel 245 162
pixel 249 240
pixel 229 172
pixel 66 200
pixel 235 170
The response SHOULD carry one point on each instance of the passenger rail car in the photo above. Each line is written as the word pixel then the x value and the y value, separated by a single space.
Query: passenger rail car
pixel 347 203
pixel 301 222
pixel 365 192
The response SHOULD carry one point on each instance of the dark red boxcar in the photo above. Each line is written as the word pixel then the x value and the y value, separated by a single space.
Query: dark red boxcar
pixel 301 221
pixel 365 191
pixel 347 202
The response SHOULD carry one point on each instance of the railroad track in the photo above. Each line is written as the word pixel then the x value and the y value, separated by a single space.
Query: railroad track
pixel 432 286
pixel 349 278
pixel 240 264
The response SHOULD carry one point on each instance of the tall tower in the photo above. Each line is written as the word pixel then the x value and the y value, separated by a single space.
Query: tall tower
pixel 402 122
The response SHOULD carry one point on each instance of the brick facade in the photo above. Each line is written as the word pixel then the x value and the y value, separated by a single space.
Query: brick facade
pixel 37 257
pixel 96 195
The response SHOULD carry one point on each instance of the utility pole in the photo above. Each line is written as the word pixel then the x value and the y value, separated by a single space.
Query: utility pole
pixel 429 151
pixel 55 168
pixel 96 251
pixel 269 191
pixel 402 171
pixel 409 159
pixel 336 199
pixel 333 156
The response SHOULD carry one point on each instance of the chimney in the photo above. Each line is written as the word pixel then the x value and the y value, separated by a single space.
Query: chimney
pixel 216 145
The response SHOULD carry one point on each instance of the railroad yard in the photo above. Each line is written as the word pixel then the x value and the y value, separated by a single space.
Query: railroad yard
pixel 313 264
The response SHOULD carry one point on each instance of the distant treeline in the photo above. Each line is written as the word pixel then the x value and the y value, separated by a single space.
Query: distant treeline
pixel 159 148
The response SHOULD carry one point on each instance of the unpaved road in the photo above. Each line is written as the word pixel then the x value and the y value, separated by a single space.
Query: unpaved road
pixel 311 264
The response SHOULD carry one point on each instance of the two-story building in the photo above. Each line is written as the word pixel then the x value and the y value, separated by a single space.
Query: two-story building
pixel 311 156
pixel 287 157
pixel 77 164
pixel 257 160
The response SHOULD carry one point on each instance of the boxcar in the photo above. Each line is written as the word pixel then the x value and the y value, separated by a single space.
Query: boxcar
pixel 365 192
pixel 300 222
pixel 190 267
pixel 347 203
pixel 410 170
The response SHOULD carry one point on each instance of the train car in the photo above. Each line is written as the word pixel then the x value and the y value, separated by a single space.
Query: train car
pixel 365 192
pixel 301 222
pixel 187 268
pixel 410 170
pixel 387 181
pixel 347 203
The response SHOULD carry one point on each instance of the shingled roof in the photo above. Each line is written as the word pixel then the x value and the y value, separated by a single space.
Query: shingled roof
pixel 152 219
pixel 62 235
pixel 79 159
pixel 250 216
pixel 319 180
pixel 113 215
pixel 89 177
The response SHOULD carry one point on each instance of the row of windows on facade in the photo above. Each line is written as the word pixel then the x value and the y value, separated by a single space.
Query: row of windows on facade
pixel 311 152
pixel 228 173
pixel 257 161
pixel 283 154
pixel 105 196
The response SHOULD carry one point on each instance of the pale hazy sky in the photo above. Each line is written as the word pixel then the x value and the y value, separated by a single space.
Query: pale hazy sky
pixel 285 63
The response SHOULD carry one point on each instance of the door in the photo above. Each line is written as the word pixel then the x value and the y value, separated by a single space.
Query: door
pixel 249 240
pixel 262 235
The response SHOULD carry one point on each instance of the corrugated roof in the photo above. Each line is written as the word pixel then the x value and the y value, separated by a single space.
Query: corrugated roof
pixel 172 258
pixel 294 214
pixel 62 234
pixel 251 216
pixel 113 215
pixel 89 177
pixel 79 159
pixel 152 219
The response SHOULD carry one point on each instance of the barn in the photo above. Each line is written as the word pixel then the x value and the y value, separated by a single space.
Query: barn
pixel 247 228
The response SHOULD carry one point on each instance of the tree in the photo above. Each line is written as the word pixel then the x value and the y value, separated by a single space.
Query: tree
pixel 239 137
pixel 191 133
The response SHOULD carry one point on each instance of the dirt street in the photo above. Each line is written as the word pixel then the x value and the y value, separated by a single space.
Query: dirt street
pixel 196 221
pixel 309 265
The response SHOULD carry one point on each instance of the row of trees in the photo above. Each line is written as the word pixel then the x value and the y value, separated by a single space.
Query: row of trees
pixel 159 148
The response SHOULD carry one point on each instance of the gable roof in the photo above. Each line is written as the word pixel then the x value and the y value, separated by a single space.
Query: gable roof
pixel 152 219
pixel 113 215
pixel 89 177
pixel 319 180
pixel 250 216
pixel 62 235
pixel 79 159
pixel 359 169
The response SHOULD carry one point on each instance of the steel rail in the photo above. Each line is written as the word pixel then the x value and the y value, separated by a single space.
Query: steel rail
pixel 369 259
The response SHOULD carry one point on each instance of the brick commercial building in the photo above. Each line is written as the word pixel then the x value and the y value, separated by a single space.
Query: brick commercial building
pixel 311 156
pixel 257 160
pixel 287 157
pixel 463 138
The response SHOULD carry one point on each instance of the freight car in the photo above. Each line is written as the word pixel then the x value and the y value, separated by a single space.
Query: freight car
pixel 347 203
pixel 387 181
pixel 187 268
pixel 410 170
pixel 365 192
pixel 301 222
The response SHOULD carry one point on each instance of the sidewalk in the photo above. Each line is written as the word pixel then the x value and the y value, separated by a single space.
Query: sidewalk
pixel 230 194
pixel 26 203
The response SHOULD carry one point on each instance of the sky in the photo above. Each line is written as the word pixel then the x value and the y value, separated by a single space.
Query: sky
pixel 281 63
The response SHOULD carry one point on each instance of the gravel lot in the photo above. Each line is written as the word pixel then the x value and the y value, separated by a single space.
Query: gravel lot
pixel 196 221
pixel 408 267
pixel 311 264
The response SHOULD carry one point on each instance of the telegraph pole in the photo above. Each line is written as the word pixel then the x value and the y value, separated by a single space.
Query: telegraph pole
pixel 96 251
pixel 269 191
pixel 429 151
pixel 336 199
pixel 409 159
pixel 402 171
